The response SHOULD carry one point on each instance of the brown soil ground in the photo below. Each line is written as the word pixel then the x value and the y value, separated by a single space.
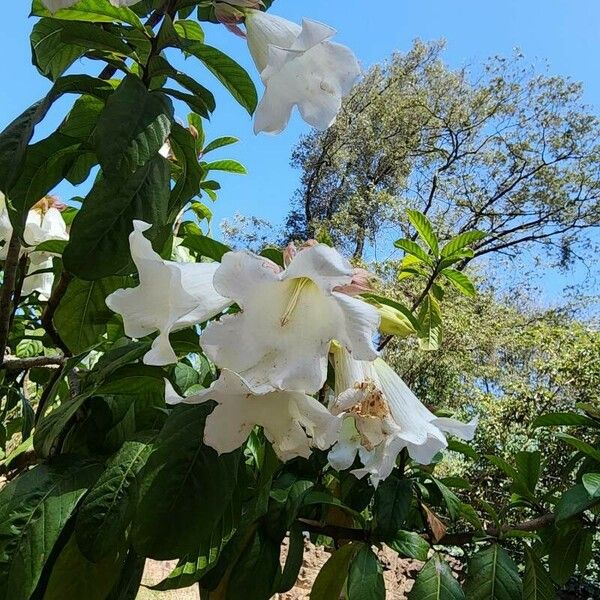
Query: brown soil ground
pixel 398 574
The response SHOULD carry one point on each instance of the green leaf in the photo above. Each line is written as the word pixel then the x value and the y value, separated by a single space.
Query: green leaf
pixel 462 448
pixel 189 174
pixel 409 544
pixel 376 299
pixel 425 230
pixel 257 570
pixel 53 56
pixel 15 138
pixel 49 430
pixel 414 249
pixel 95 11
pixel 228 72
pixel 537 584
pixel 181 478
pixel 591 482
pixel 580 445
pixel 73 576
pixel 229 166
pixel 293 561
pixel 82 314
pixel 451 500
pixel 133 127
pixel 365 577
pixel 331 578
pixel 393 498
pixel 458 243
pixel 192 568
pixel 107 510
pixel 529 465
pixel 219 143
pixel 460 281
pixel 564 418
pixel 430 324
pixel 565 552
pixel 436 582
pixel 574 501
pixel 99 244
pixel 34 508
pixel 492 575
pixel 205 246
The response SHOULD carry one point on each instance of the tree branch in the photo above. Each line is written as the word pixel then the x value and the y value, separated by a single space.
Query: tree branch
pixel 11 265
pixel 23 364
pixel 451 539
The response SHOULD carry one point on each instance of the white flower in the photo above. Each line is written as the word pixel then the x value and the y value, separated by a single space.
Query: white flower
pixel 292 421
pixel 170 296
pixel 54 5
pixel 299 66
pixel 281 337
pixel 381 416
pixel 44 223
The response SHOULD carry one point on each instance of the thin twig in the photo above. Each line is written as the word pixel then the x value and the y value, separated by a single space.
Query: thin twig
pixel 11 264
pixel 23 364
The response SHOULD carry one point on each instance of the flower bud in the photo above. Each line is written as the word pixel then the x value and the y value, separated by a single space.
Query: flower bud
pixel 393 322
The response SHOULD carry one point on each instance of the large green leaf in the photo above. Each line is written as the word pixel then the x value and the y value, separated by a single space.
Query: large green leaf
pixel 413 249
pixel 365 577
pixel 565 552
pixel 430 324
pixel 34 508
pixel 49 430
pixel 133 127
pixel 537 584
pixel 392 503
pixel 332 576
pixel 107 510
pixel 228 72
pixel 192 568
pixel 185 488
pixel 205 246
pixel 95 11
pixel 99 244
pixel 580 445
pixel 574 501
pixel 460 281
pixel 461 241
pixel 492 575
pixel 53 56
pixel 189 172
pixel 436 582
pixel 73 576
pixel 425 230
pixel 565 418
pixel 409 544
pixel 82 315
pixel 15 138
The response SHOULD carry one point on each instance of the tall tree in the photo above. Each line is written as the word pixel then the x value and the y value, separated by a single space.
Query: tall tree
pixel 502 149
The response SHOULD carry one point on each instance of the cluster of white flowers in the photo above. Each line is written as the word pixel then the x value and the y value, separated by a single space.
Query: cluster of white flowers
pixel 44 223
pixel 273 354
pixel 298 65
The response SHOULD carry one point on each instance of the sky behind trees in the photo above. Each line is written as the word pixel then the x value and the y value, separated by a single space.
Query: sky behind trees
pixel 562 33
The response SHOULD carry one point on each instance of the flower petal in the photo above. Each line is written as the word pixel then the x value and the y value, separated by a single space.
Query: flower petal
pixel 170 296
pixel 289 419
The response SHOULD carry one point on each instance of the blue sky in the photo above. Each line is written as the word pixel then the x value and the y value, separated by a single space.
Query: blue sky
pixel 561 33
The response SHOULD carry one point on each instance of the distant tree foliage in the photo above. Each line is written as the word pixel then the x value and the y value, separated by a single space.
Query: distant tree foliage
pixel 502 149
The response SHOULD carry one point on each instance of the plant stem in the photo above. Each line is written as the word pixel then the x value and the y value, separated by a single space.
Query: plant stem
pixel 11 265
pixel 23 364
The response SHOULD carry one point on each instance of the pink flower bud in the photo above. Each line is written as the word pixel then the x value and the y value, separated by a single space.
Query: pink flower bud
pixel 362 282
pixel 289 253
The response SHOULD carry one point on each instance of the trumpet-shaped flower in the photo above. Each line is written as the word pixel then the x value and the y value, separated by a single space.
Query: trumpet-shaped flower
pixel 292 421
pixel 299 66
pixel 44 223
pixel 54 5
pixel 170 296
pixel 281 337
pixel 381 416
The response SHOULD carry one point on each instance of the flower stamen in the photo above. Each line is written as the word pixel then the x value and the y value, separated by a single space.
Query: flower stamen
pixel 299 285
